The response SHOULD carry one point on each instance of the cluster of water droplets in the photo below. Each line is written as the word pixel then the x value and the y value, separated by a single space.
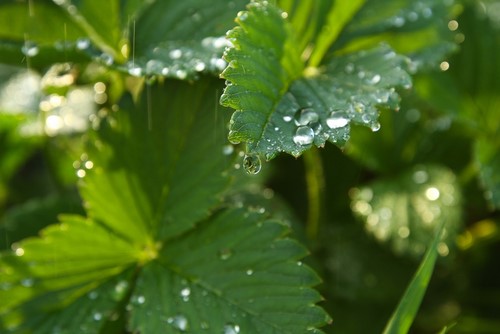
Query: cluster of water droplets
pixel 418 11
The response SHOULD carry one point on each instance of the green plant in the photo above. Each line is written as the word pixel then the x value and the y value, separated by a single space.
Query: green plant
pixel 117 128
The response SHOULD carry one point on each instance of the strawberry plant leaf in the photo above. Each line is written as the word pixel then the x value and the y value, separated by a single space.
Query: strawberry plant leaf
pixel 406 209
pixel 406 311
pixel 139 193
pixel 181 39
pixel 227 277
pixel 281 108
pixel 139 237
pixel 395 22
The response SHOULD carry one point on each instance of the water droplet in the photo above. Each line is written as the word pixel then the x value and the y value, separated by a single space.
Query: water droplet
pixel 199 66
pixel 337 119
pixel 398 21
pixel 27 282
pixel 432 193
pixel 404 232
pixel 242 16
pixel 97 316
pixel 134 70
pixel 349 68
pixel 225 253
pixel 141 299
pixel 227 149
pixel 420 176
pixel 443 249
pixel 181 74
pixel 180 322
pixel 375 79
pixel 412 16
pixel 175 54
pixel 252 163
pixel 359 107
pixel 306 116
pixel 120 290
pixel 30 49
pixel 231 329
pixel 82 43
pixel 204 325
pixel 93 295
pixel 375 126
pixel 303 136
pixel 249 272
pixel 299 263
pixel 107 59
pixel 287 118
pixel 427 12
pixel 185 293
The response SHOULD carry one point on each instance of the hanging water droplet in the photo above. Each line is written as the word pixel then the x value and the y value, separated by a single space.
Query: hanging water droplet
pixel 303 136
pixel 231 329
pixel 306 116
pixel 225 253
pixel 337 119
pixel 252 163
pixel 375 126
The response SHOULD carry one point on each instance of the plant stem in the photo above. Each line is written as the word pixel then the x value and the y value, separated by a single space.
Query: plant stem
pixel 315 184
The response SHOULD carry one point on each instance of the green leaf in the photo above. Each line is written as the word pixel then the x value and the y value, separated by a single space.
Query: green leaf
pixel 236 272
pixel 159 165
pixel 69 255
pixel 396 22
pixel 181 39
pixel 29 218
pixel 405 210
pixel 28 21
pixel 406 311
pixel 154 170
pixel 488 160
pixel 105 23
pixel 340 13
pixel 280 109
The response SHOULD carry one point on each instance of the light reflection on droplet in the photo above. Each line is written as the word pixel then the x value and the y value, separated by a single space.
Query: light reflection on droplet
pixel 432 193
pixel 444 66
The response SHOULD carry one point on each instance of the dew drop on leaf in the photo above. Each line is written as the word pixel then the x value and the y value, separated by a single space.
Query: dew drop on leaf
pixel 82 43
pixel 306 116
pixel 231 329
pixel 30 49
pixel 249 272
pixel 375 127
pixel 227 149
pixel 337 120
pixel 303 136
pixel 97 316
pixel 185 293
pixel 180 322
pixel 287 118
pixel 225 253
pixel 27 282
pixel 252 163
